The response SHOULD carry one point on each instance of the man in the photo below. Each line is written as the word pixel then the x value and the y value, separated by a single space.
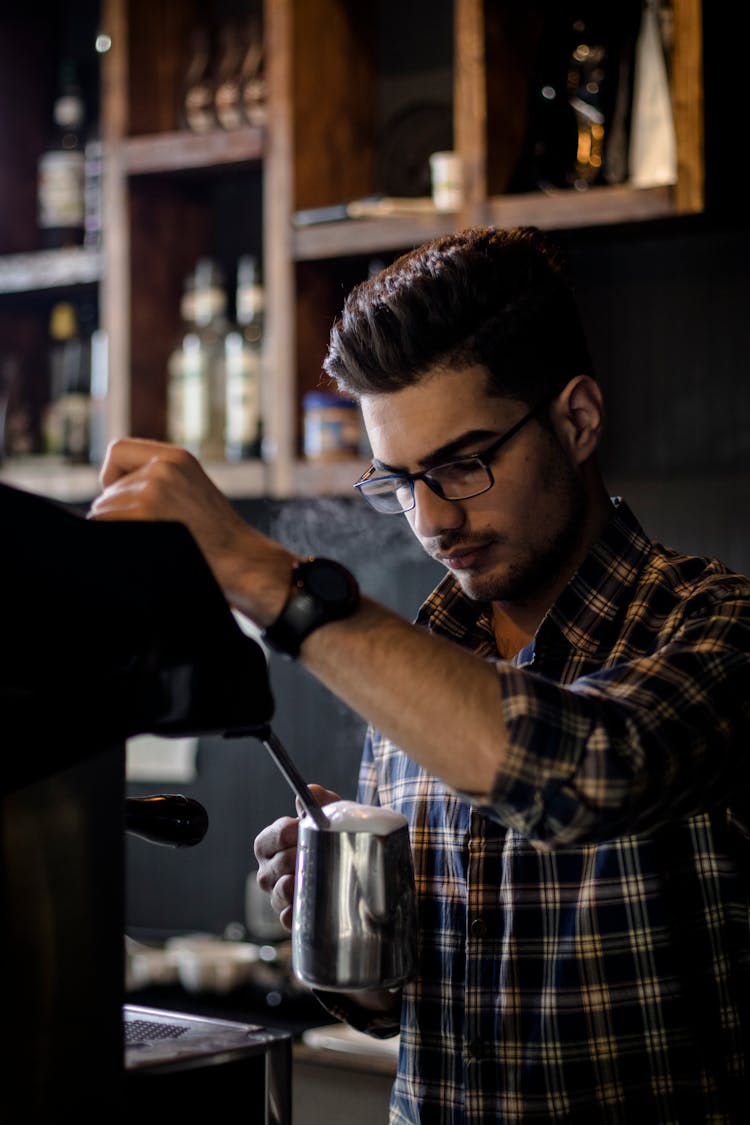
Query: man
pixel 566 727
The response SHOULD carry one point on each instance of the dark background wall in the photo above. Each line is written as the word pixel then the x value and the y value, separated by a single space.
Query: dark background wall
pixel 666 307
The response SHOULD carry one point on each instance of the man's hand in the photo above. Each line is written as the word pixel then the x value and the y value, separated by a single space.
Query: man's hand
pixel 276 852
pixel 150 480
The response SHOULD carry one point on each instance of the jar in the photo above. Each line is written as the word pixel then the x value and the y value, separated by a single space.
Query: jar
pixel 331 426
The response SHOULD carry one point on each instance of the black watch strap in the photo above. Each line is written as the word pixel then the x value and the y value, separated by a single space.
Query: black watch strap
pixel 322 590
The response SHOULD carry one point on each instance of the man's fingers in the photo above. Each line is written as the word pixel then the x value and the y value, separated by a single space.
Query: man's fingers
pixel 279 837
pixel 146 480
pixel 323 796
pixel 127 455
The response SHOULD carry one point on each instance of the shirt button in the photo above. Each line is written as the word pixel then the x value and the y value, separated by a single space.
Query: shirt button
pixel 478 928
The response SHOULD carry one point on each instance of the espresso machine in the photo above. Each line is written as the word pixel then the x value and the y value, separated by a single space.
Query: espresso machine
pixel 110 629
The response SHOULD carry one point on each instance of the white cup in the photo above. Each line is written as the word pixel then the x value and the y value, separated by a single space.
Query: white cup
pixel 446 174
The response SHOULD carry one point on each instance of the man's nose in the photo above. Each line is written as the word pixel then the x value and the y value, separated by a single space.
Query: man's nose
pixel 431 514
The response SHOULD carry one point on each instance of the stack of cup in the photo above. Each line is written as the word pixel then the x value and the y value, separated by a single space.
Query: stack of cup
pixel 446 175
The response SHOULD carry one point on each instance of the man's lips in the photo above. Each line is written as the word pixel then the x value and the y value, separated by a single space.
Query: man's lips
pixel 463 558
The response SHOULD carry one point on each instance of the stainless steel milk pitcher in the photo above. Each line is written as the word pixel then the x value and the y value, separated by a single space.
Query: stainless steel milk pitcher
pixel 354 924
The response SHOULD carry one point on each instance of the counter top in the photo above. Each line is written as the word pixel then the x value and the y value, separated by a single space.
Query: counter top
pixel 340 1046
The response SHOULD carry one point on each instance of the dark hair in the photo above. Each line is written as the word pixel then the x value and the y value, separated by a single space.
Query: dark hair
pixel 499 298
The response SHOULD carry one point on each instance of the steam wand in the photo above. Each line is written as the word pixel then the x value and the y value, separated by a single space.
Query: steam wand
pixel 295 779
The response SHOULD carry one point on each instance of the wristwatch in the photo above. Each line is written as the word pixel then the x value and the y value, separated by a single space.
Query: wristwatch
pixel 322 591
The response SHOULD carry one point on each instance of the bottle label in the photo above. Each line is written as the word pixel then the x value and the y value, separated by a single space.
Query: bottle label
pixel 61 190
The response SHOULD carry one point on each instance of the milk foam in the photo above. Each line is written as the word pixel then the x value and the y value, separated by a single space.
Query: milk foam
pixel 349 816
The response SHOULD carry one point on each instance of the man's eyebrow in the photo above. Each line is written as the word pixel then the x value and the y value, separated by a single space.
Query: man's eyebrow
pixel 459 447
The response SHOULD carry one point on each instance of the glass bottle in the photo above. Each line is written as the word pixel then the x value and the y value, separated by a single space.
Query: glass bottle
pixel 60 183
pixel 252 74
pixel 203 383
pixel 196 110
pixel 227 91
pixel 243 365
pixel 176 427
pixel 62 330
pixel 76 399
pixel 19 435
pixel 68 415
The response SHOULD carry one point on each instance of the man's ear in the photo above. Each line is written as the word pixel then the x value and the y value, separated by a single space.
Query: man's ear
pixel 578 417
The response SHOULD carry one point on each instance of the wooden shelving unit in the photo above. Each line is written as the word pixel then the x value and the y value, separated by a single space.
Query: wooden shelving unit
pixel 175 152
pixel 49 269
pixel 166 192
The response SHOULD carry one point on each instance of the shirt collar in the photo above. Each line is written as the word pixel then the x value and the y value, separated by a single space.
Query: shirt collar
pixel 585 614
pixel 588 610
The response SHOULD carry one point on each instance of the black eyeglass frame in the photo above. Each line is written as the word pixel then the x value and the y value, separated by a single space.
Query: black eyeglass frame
pixel 485 457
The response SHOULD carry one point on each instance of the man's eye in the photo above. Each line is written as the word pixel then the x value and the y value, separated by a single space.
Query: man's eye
pixel 458 471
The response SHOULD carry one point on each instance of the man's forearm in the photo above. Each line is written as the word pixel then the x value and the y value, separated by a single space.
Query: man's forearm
pixel 422 691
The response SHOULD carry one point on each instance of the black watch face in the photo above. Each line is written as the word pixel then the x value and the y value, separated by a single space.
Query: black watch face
pixel 327 581
pixel 322 590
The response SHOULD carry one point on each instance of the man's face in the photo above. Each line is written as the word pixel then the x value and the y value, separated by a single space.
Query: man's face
pixel 512 542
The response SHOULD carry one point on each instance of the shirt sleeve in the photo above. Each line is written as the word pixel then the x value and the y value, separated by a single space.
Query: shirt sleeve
pixel 367 787
pixel 643 739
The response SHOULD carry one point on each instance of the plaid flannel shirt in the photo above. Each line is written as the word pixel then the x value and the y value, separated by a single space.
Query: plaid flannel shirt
pixel 584 929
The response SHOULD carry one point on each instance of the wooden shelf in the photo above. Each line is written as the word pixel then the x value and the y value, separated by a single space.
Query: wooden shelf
pixel 368 236
pixel 594 207
pixel 245 480
pixel 308 478
pixel 49 476
pixel 327 478
pixel 551 210
pixel 49 269
pixel 187 152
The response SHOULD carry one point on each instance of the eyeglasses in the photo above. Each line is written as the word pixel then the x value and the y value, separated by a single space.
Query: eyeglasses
pixel 455 480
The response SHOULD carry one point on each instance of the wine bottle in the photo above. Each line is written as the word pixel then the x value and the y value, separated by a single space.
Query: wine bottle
pixel 75 404
pixel 67 416
pixel 60 186
pixel 243 365
pixel 176 425
pixel 203 382
pixel 62 329
pixel 19 434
